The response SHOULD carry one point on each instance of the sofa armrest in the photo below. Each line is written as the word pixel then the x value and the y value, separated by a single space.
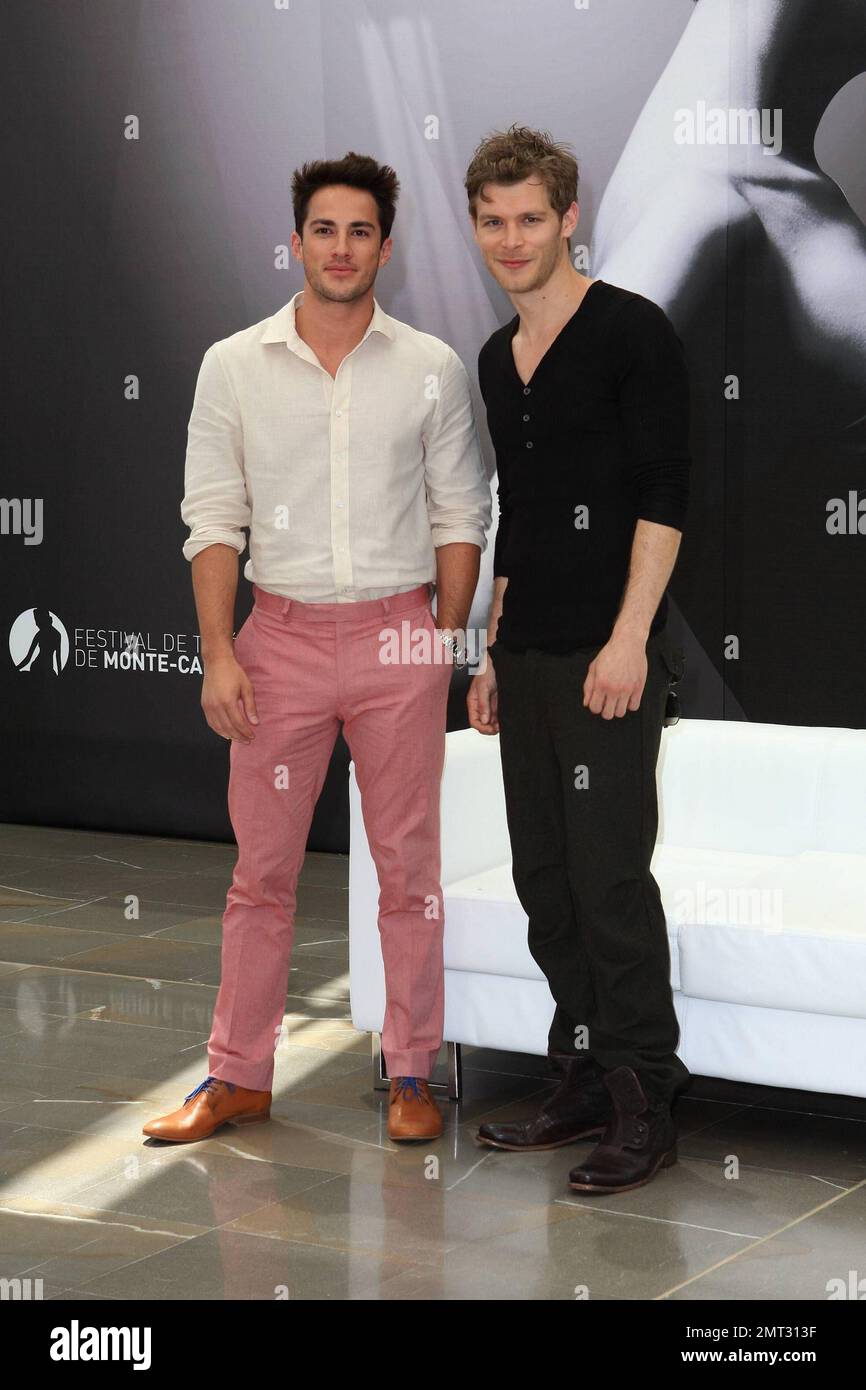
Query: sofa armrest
pixel 474 837
pixel 474 826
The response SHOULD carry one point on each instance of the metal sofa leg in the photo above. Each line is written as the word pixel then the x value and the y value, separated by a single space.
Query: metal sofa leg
pixel 381 1081
pixel 455 1071
pixel 453 1086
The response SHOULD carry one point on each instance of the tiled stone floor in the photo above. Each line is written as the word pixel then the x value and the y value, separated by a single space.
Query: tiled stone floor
pixel 104 1019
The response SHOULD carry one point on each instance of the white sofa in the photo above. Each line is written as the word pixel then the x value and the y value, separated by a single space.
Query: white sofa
pixel 761 862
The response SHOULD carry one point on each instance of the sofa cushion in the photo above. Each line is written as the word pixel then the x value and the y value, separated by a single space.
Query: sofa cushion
pixel 745 787
pixel 779 931
pixel 485 927
pixel 809 957
pixel 717 887
pixel 840 822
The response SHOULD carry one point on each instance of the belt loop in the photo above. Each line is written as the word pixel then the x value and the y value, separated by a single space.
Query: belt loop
pixel 286 607
pixel 386 604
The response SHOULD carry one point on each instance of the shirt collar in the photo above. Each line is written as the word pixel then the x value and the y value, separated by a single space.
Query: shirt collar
pixel 281 325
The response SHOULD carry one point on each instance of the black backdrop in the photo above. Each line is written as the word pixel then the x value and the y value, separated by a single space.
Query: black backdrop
pixel 125 261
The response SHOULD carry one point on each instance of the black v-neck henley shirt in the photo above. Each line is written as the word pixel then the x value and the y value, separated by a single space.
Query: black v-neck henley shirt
pixel 598 439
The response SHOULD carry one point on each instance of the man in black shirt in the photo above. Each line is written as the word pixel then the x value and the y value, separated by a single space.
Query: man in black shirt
pixel 587 402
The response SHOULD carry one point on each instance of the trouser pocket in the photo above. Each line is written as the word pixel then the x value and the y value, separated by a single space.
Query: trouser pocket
pixel 673 657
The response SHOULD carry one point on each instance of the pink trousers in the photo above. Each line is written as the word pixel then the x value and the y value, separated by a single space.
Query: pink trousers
pixel 312 667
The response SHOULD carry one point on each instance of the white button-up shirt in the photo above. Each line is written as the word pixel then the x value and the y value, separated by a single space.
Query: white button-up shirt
pixel 347 484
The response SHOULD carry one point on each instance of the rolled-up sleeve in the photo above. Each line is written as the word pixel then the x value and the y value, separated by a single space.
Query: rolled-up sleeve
pixel 215 505
pixel 459 503
pixel 653 404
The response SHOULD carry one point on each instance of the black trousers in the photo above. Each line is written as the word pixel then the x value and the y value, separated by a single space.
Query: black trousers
pixel 582 811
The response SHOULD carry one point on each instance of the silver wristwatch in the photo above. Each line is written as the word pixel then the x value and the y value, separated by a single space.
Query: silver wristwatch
pixel 457 652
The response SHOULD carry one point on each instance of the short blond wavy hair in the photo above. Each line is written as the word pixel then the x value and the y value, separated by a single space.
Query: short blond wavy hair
pixel 509 156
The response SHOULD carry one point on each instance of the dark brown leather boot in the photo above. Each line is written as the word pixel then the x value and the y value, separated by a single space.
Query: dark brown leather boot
pixel 640 1139
pixel 579 1107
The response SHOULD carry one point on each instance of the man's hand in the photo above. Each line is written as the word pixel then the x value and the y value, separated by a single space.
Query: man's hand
pixel 616 677
pixel 227 699
pixel 482 701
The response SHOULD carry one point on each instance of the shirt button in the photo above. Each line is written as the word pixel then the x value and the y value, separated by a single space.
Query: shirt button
pixel 526 417
pixel 529 443
pixel 526 390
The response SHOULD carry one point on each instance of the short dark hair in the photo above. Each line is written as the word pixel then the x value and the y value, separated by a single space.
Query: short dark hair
pixel 510 156
pixel 356 170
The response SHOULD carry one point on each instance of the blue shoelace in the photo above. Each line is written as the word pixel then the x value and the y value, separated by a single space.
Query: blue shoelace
pixel 205 1086
pixel 409 1085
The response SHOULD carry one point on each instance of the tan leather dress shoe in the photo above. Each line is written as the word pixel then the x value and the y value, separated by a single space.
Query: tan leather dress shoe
pixel 210 1105
pixel 412 1111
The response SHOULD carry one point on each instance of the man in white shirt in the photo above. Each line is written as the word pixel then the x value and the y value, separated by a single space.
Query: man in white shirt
pixel 345 440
